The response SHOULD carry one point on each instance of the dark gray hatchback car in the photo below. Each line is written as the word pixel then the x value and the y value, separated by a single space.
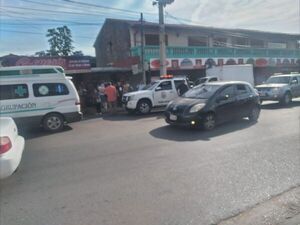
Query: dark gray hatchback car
pixel 213 103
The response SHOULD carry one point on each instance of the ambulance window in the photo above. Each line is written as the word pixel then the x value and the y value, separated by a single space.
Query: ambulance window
pixel 43 71
pixel 15 91
pixel 49 89
pixel 9 72
pixel 60 70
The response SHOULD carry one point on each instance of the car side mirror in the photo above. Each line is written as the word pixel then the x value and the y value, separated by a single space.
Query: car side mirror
pixel 222 98
pixel 158 89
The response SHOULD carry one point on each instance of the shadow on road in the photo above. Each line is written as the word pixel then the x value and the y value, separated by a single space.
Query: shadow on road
pixel 180 134
pixel 276 105
pixel 32 132
pixel 132 117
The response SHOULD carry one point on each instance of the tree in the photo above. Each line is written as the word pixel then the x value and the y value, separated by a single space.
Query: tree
pixel 78 53
pixel 60 40
pixel 41 54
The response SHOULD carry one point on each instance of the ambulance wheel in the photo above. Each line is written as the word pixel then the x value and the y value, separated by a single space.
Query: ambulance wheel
pixel 53 122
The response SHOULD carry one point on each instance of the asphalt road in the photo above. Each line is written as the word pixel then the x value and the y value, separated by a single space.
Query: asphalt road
pixel 134 170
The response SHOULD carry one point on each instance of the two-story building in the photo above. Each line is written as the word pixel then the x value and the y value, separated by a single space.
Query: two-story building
pixel 190 49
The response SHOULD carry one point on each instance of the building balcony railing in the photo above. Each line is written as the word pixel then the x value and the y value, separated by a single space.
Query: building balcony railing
pixel 215 52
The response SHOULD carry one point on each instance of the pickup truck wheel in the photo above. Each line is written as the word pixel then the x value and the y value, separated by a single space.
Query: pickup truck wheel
pixel 53 122
pixel 286 99
pixel 144 107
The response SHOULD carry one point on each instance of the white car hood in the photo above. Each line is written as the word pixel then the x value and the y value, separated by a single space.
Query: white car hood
pixel 271 85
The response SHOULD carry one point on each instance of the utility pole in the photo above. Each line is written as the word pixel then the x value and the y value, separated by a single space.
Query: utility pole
pixel 143 50
pixel 162 35
pixel 162 42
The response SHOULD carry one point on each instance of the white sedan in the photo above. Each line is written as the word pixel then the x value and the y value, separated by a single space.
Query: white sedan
pixel 11 147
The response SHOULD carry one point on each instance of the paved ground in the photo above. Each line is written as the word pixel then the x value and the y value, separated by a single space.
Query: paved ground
pixel 137 170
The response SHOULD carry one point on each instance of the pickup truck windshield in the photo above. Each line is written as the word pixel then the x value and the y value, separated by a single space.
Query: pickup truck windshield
pixel 278 80
pixel 202 91
pixel 151 86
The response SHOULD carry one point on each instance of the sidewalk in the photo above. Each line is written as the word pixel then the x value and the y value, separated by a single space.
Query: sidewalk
pixel 293 221
pixel 283 209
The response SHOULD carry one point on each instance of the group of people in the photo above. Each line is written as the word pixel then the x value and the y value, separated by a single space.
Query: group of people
pixel 105 97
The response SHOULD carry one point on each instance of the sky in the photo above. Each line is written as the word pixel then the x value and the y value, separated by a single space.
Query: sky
pixel 24 23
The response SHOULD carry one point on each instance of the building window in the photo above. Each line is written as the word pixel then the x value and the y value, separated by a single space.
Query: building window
pixel 277 45
pixel 49 89
pixel 198 41
pixel 220 42
pixel 255 43
pixel 13 91
pixel 240 41
pixel 153 39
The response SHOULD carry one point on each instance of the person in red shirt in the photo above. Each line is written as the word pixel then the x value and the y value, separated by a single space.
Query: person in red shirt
pixel 111 93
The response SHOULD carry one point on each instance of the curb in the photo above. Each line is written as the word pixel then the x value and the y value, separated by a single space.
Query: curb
pixel 282 209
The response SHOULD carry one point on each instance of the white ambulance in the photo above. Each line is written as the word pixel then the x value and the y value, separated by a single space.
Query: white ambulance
pixel 38 95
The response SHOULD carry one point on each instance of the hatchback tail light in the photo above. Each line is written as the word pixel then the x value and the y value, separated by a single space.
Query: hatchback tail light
pixel 77 103
pixel 5 144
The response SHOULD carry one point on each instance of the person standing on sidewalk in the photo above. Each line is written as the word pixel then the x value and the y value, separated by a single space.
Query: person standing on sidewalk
pixel 120 93
pixel 97 97
pixel 111 93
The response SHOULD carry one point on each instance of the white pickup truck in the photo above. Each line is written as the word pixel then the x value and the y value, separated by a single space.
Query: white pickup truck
pixel 154 95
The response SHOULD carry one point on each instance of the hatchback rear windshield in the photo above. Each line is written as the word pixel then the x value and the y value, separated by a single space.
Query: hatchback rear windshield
pixel 204 91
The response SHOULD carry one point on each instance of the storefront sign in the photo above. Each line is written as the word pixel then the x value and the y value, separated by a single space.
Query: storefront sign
pixel 195 63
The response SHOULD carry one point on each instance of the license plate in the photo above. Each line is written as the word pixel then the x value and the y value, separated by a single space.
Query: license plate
pixel 262 94
pixel 173 117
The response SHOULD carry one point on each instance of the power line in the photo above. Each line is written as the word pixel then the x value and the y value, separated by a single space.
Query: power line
pixel 55 12
pixel 106 7
pixel 39 33
pixel 50 11
pixel 43 19
pixel 48 24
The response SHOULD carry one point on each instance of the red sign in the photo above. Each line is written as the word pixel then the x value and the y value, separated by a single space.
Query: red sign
pixel 68 63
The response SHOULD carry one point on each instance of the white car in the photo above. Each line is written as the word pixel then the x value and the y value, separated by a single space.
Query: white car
pixel 11 147
pixel 154 95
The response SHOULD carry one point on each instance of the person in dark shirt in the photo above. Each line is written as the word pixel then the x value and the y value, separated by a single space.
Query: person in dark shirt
pixel 182 88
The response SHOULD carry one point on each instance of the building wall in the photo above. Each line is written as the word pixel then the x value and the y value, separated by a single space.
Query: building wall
pixel 113 43
pixel 180 37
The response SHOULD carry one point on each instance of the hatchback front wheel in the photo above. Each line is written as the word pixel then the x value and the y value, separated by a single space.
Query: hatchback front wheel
pixel 209 122
pixel 254 114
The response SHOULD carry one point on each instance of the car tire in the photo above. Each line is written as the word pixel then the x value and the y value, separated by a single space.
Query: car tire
pixel 286 99
pixel 144 107
pixel 53 122
pixel 209 122
pixel 254 114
